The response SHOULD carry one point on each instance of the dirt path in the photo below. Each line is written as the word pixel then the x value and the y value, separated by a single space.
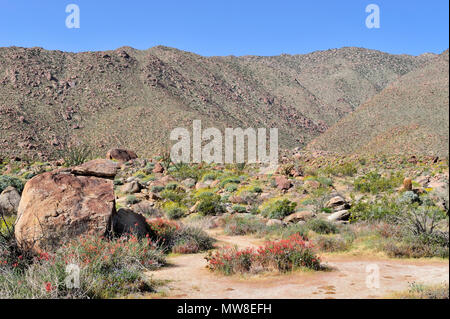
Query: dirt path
pixel 190 279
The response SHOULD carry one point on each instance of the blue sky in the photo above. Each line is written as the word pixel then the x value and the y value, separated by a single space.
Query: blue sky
pixel 231 27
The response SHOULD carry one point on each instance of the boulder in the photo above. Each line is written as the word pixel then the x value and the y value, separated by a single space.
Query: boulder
pixel 9 201
pixel 121 155
pixel 98 167
pixel 339 215
pixel 59 205
pixel 127 222
pixel 298 216
pixel 131 188
pixel 336 201
pixel 407 184
pixel 158 168
pixel 312 184
pixel 283 183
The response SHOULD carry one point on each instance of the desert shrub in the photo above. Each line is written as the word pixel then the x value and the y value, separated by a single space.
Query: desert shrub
pixel 191 239
pixel 210 204
pixel 286 169
pixel 319 198
pixel 346 169
pixel 324 181
pixel 230 179
pixel 331 243
pixel 278 209
pixel 6 180
pixel 172 236
pixel 383 209
pixel 321 226
pixel 209 177
pixel 410 249
pixel 239 209
pixel 282 255
pixel 418 231
pixel 375 183
pixel 421 291
pixel 171 186
pixel 74 155
pixel 242 225
pixel 183 171
pixel 174 210
pixel 231 188
pixel 107 269
pixel 157 188
pixel 172 195
pixel 132 199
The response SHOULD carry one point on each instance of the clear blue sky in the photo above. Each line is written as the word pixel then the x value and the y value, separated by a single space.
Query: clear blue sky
pixel 227 27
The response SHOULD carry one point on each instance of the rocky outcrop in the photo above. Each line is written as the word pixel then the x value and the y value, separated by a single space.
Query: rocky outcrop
pixel 98 167
pixel 9 201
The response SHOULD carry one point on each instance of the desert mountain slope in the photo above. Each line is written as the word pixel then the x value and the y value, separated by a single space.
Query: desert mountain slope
pixel 411 115
pixel 133 99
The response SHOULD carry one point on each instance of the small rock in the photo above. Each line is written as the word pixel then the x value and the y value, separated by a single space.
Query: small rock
pixel 283 183
pixel 339 215
pixel 158 168
pixel 121 155
pixel 298 216
pixel 9 201
pixel 131 188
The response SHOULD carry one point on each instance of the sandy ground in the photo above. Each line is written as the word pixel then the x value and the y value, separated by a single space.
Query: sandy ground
pixel 349 277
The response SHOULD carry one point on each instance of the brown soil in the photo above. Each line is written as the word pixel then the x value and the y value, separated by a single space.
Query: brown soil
pixel 189 278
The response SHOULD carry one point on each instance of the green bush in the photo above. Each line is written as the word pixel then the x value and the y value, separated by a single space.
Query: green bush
pixel 174 210
pixel 239 209
pixel 157 188
pixel 321 226
pixel 231 188
pixel 230 179
pixel 6 180
pixel 384 209
pixel 131 199
pixel 278 209
pixel 375 183
pixel 172 195
pixel 76 154
pixel 331 243
pixel 210 204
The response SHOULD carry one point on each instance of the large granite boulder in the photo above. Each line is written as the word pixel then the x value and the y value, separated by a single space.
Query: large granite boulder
pixel 60 205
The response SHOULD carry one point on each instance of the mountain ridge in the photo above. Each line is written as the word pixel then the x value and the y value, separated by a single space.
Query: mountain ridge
pixel 132 98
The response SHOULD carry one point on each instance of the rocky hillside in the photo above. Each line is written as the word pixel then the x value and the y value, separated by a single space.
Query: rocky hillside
pixel 409 116
pixel 131 98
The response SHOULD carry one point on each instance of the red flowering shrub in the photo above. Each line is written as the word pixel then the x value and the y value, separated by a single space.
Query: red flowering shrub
pixel 283 255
